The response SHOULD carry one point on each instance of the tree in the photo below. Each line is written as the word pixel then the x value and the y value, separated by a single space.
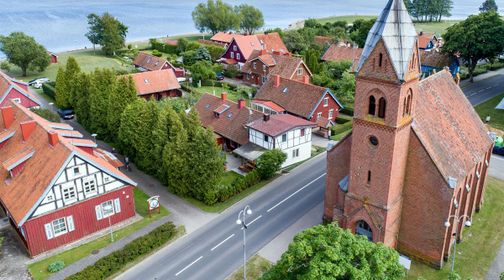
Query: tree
pixel 72 69
pixel 62 97
pixel 489 6
pixel 202 53
pixel 270 162
pixel 215 16
pixel 295 42
pixel 106 31
pixel 311 58
pixel 215 51
pixel 24 52
pixel 121 96
pixel 477 38
pixel 189 57
pixel 359 31
pixel 429 10
pixel 95 27
pixel 345 88
pixel 251 18
pixel 102 84
pixel 329 252
pixel 202 71
pixel 81 94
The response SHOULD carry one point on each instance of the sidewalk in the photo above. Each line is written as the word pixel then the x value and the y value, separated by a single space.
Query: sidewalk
pixel 489 74
pixel 117 245
pixel 497 266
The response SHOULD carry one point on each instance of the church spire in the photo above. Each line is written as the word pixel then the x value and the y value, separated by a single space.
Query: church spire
pixel 395 27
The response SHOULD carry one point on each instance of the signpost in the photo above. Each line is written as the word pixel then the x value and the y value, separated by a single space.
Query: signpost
pixel 154 204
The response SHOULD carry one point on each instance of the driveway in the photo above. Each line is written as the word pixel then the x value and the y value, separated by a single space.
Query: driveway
pixel 13 257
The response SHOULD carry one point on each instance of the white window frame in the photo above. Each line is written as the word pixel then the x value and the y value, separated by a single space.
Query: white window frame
pixel 319 115
pixel 87 182
pixel 295 153
pixel 254 65
pixel 106 215
pixel 69 188
pixel 300 71
pixel 232 55
pixel 106 178
pixel 264 67
pixel 79 172
pixel 16 100
pixel 326 101
pixel 117 205
pixel 238 56
pixel 284 137
pixel 331 112
pixel 235 48
pixel 61 223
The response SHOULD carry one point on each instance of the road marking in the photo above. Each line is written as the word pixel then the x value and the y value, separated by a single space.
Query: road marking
pixel 222 242
pixel 258 217
pixel 189 265
pixel 293 194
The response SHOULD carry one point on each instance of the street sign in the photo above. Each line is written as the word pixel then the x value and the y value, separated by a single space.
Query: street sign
pixel 154 204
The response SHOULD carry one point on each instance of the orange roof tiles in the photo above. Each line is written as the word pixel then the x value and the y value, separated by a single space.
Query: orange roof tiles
pixel 283 65
pixel 224 37
pixel 340 53
pixel 155 81
pixel 434 58
pixel 424 39
pixel 272 42
pixel 7 83
pixel 247 44
pixel 149 62
pixel 18 158
pixel 272 105
pixel 278 124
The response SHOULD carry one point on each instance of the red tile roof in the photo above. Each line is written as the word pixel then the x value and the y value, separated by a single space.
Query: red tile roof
pixel 448 127
pixel 322 40
pixel 224 37
pixel 149 62
pixel 231 124
pixel 272 42
pixel 424 39
pixel 336 52
pixel 247 45
pixel 21 193
pixel 434 58
pixel 283 65
pixel 170 42
pixel 279 124
pixel 155 81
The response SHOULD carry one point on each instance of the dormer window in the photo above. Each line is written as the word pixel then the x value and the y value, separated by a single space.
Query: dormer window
pixel 300 71
pixel 326 101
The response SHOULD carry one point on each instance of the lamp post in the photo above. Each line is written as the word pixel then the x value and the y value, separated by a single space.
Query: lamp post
pixel 457 221
pixel 241 221
pixel 94 136
pixel 109 209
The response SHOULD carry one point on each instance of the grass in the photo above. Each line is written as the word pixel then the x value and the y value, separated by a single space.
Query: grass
pixel 256 266
pixel 88 61
pixel 481 241
pixel 348 19
pixel 232 95
pixel 38 269
pixel 488 108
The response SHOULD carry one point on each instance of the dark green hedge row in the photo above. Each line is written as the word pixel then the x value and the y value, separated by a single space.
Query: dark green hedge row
pixel 226 192
pixel 49 89
pixel 347 111
pixel 114 262
pixel 339 128
pixel 162 47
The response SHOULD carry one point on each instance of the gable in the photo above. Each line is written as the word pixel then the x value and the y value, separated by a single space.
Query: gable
pixel 372 68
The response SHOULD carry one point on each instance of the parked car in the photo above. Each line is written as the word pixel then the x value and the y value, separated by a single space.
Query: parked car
pixel 66 114
pixel 220 76
pixel 38 80
pixel 37 84
pixel 498 150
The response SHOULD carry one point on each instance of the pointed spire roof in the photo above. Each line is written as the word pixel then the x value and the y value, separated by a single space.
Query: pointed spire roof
pixel 395 27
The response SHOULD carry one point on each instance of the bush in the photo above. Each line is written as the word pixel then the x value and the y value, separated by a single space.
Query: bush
pixel 49 89
pixel 347 111
pixel 55 266
pixel 225 192
pixel 342 120
pixel 338 129
pixel 47 114
pixel 231 71
pixel 269 163
pixel 114 262
pixel 501 276
pixel 156 53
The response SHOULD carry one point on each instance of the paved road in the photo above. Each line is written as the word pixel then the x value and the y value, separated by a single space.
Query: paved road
pixel 215 250
pixel 485 87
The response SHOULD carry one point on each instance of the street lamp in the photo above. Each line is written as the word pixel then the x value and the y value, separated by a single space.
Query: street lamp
pixel 241 221
pixel 109 209
pixel 457 221
pixel 94 136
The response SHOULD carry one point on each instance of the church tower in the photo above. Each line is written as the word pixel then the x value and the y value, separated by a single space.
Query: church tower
pixel 386 85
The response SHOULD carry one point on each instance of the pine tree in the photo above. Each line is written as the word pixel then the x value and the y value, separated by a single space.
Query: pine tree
pixel 72 69
pixel 102 84
pixel 62 92
pixel 123 94
pixel 81 95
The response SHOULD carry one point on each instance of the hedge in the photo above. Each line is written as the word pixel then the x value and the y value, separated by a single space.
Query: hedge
pixel 114 262
pixel 56 266
pixel 347 111
pixel 49 89
pixel 225 192
pixel 338 129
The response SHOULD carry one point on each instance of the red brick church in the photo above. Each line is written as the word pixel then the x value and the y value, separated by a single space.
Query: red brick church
pixel 418 153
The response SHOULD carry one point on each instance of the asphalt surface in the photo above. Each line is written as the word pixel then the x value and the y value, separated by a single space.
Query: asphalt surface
pixel 216 250
pixel 483 90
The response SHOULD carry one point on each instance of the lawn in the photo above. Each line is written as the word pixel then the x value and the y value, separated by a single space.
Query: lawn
pixel 256 266
pixel 232 95
pixel 481 241
pixel 348 19
pixel 38 270
pixel 488 108
pixel 88 61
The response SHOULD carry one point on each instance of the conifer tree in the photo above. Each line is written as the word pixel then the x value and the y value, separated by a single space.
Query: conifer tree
pixel 72 69
pixel 62 93
pixel 81 95
pixel 123 94
pixel 102 85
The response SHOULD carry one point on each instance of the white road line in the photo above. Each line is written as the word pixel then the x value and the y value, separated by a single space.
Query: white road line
pixel 189 265
pixel 293 194
pixel 222 242
pixel 258 217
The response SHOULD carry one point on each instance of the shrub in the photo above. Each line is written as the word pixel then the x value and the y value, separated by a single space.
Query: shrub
pixel 347 111
pixel 231 71
pixel 338 129
pixel 49 89
pixel 55 266
pixel 501 276
pixel 269 163
pixel 4 65
pixel 112 263
pixel 156 53
pixel 47 114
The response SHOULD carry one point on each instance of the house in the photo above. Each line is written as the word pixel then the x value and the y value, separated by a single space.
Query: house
pixel 54 189
pixel 157 84
pixel 290 134
pixel 257 70
pixel 418 153
pixel 322 41
pixel 342 52
pixel 433 61
pixel 226 118
pixel 313 103
pixel 242 48
pixel 223 38
pixel 170 42
pixel 147 62
pixel 427 41
pixel 17 91
pixel 54 57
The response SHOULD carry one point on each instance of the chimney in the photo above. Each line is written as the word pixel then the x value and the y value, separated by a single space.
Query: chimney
pixel 242 103
pixel 276 78
pixel 27 128
pixel 224 96
pixel 306 79
pixel 266 117
pixel 263 52
pixel 53 138
pixel 8 116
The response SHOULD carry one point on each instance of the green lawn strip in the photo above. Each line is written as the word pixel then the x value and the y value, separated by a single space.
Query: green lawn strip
pixel 488 108
pixel 348 19
pixel 232 95
pixel 45 96
pixel 38 269
pixel 481 242
pixel 256 266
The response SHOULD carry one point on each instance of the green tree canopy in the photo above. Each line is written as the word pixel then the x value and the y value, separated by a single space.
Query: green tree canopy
pixel 477 38
pixel 202 71
pixel 121 96
pixel 489 6
pixel 270 162
pixel 101 87
pixel 214 16
pixel 24 52
pixel 295 41
pixel 202 53
pixel 106 31
pixel 329 252
pixel 251 18
pixel 359 31
pixel 80 92
pixel 429 10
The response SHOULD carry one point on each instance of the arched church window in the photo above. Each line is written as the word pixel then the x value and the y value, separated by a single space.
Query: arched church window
pixel 382 107
pixel 380 60
pixel 408 105
pixel 372 105
pixel 363 228
pixel 405 107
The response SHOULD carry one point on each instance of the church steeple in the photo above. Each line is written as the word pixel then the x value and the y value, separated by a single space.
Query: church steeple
pixel 396 30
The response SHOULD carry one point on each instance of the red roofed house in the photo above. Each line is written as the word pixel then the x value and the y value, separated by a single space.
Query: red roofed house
pixel 427 41
pixel 157 84
pixel 342 52
pixel 242 48
pixel 258 70
pixel 223 38
pixel 55 190
pixel 313 103
pixel 54 57
pixel 147 62
pixel 17 91
pixel 418 153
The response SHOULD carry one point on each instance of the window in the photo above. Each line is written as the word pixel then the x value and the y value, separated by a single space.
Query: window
pixel 369 176
pixel 284 137
pixel 331 112
pixel 106 178
pixel 363 228
pixel 59 227
pixel 372 105
pixel 69 193
pixel 232 54
pixel 264 68
pixel 326 101
pixel 16 100
pixel 264 79
pixel 90 184
pixel 235 48
pixel 238 56
pixel 300 71
pixel 76 170
pixel 266 138
pixel 50 197
pixel 254 65
pixel 295 153
pixel 373 140
pixel 319 115
pixel 382 107
pixel 404 108
pixel 107 209
pixel 302 132
pixel 380 60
